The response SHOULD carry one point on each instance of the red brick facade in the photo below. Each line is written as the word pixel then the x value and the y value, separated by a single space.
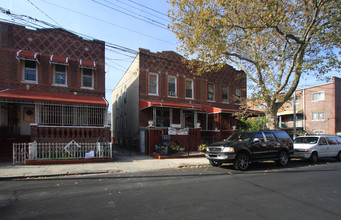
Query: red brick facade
pixel 49 42
pixel 42 109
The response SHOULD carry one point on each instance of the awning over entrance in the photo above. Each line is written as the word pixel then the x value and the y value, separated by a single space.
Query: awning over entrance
pixel 146 104
pixel 290 112
pixel 27 55
pixel 59 60
pixel 215 110
pixel 38 96
pixel 87 64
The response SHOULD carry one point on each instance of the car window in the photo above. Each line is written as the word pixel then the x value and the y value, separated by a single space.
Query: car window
pixel 259 135
pixel 323 141
pixel 269 136
pixel 306 140
pixel 239 137
pixel 338 140
pixel 331 141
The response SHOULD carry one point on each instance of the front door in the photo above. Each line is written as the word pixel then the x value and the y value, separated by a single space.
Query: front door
pixel 27 116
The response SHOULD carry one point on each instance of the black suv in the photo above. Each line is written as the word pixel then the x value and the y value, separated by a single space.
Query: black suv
pixel 244 147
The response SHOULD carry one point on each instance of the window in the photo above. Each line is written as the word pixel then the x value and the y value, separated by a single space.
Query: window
pixel 318 116
pixel 125 94
pixel 87 78
pixel 162 117
pixel 30 71
pixel 153 83
pixel 238 95
pixel 269 136
pixel 331 141
pixel 261 105
pixel 189 88
pixel 117 101
pixel 259 136
pixel 323 141
pixel 317 96
pixel 210 89
pixel 172 86
pixel 59 74
pixel 225 94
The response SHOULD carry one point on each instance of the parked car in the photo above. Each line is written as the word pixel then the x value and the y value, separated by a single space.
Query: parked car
pixel 244 147
pixel 313 147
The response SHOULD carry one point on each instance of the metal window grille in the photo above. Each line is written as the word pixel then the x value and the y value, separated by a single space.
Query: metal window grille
pixel 70 115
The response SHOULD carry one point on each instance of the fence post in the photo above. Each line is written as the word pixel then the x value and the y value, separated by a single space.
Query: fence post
pixel 32 150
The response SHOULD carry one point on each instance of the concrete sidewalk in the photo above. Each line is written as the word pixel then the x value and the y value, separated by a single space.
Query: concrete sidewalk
pixel 131 164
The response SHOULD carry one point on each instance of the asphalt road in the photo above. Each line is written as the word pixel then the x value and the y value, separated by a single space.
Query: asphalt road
pixel 265 191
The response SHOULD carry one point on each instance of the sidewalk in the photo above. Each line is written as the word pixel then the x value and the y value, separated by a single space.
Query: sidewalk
pixel 130 164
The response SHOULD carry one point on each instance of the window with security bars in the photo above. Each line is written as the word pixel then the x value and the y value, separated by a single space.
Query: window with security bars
pixel 71 115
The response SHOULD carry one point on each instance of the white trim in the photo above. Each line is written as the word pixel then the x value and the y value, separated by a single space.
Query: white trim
pixel 192 89
pixel 157 84
pixel 176 90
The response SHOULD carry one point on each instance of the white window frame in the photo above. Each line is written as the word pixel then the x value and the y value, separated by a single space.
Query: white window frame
pixel 24 72
pixel 228 101
pixel 57 72
pixel 208 99
pixel 92 79
pixel 175 87
pixel 157 84
pixel 314 93
pixel 318 116
pixel 192 84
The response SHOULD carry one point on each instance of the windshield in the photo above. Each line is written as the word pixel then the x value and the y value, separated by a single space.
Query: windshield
pixel 240 137
pixel 306 140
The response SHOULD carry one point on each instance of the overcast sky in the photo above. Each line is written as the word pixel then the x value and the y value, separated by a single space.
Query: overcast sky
pixel 128 24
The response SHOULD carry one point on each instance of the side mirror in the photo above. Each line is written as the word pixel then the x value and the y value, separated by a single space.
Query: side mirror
pixel 256 140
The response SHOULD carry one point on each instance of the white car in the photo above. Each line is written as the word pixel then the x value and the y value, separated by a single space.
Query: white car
pixel 314 147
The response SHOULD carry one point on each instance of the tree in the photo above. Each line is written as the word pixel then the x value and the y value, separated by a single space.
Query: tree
pixel 274 42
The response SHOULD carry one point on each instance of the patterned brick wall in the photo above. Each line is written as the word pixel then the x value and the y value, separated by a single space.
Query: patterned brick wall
pixel 169 63
pixel 50 42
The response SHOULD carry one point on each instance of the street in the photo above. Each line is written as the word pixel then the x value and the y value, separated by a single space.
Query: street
pixel 299 191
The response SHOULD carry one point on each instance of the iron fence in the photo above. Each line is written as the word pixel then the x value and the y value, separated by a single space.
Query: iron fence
pixel 60 151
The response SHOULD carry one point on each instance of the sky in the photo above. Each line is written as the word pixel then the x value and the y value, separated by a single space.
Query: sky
pixel 126 24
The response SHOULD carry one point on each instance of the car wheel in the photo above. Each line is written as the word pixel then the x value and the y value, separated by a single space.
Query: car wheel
pixel 338 157
pixel 241 162
pixel 214 163
pixel 314 157
pixel 283 158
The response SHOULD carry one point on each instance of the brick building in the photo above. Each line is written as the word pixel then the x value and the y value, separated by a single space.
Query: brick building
pixel 52 87
pixel 318 110
pixel 158 91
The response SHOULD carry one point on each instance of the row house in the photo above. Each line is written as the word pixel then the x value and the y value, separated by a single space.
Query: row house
pixel 52 87
pixel 158 92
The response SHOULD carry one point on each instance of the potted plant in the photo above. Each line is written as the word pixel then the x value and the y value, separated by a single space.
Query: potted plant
pixel 202 147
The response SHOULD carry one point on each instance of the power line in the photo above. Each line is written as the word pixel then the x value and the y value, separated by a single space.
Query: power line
pixel 150 19
pixel 122 2
pixel 148 8
pixel 107 22
pixel 44 13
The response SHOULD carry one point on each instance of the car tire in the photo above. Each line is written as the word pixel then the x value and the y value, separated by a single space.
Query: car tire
pixel 338 157
pixel 314 157
pixel 241 162
pixel 283 158
pixel 214 163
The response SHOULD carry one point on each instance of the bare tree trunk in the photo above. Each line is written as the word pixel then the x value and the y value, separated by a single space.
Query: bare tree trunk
pixel 272 120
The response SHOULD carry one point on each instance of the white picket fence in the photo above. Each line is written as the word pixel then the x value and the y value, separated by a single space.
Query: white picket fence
pixel 60 151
